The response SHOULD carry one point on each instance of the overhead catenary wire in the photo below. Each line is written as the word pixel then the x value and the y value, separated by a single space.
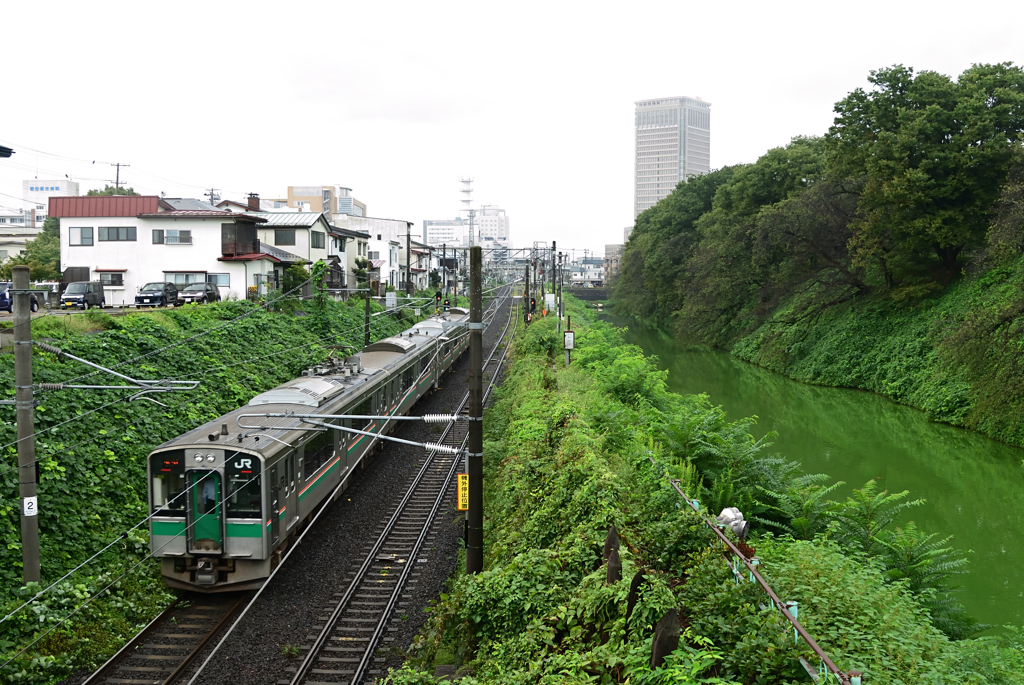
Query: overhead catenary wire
pixel 51 429
pixel 265 585
pixel 123 535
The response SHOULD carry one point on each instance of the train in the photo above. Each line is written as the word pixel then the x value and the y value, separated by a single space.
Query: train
pixel 227 501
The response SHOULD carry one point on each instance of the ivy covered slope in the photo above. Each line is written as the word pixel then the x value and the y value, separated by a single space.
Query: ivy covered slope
pixel 92 450
pixel 884 255
pixel 566 457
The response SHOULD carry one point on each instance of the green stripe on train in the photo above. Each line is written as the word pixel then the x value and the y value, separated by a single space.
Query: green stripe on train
pixel 245 530
pixel 171 528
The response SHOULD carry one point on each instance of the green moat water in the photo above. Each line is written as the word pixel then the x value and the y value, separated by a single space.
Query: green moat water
pixel 973 486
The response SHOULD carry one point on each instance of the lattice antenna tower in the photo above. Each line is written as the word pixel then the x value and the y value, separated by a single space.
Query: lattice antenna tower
pixel 467 205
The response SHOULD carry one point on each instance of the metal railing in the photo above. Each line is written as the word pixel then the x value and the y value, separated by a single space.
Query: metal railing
pixel 788 609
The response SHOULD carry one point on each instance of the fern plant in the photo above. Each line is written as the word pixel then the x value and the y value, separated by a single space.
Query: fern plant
pixel 865 514
pixel 804 507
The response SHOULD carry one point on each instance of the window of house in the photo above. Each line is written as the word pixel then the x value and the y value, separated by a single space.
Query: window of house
pixel 317 239
pixel 374 255
pixel 80 236
pixel 219 279
pixel 112 278
pixel 178 237
pixel 3 254
pixel 117 234
pixel 187 278
pixel 284 236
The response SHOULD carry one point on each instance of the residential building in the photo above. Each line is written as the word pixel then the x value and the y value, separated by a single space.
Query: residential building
pixel 385 258
pixel 420 265
pixel 611 262
pixel 129 240
pixel 378 229
pixel 304 234
pixel 626 232
pixel 586 272
pixel 13 240
pixel 673 143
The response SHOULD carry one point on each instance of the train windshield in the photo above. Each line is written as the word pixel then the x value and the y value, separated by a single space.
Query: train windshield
pixel 243 476
pixel 168 471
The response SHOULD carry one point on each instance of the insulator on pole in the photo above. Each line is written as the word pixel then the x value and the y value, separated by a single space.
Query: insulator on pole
pixel 439 418
pixel 51 386
pixel 49 348
pixel 443 449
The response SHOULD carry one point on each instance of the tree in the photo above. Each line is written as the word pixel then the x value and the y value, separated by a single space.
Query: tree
pixel 932 154
pixel 112 190
pixel 41 255
pixel 360 272
pixel 294 276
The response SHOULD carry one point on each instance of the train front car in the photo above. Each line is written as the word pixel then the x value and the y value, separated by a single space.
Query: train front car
pixel 228 498
pixel 208 513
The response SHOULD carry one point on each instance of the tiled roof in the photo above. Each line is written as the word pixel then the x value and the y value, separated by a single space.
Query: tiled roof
pixel 281 255
pixel 201 214
pixel 251 257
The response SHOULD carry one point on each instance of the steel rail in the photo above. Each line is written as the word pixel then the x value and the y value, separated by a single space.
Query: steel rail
pixel 313 654
pixel 364 663
pixel 139 641
pixel 780 605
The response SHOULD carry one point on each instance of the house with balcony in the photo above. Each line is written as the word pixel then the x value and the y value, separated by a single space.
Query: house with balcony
pixel 126 241
pixel 417 275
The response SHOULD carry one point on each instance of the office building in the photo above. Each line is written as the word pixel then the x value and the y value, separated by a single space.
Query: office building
pixel 673 143
pixel 451 232
pixel 334 200
pixel 37 194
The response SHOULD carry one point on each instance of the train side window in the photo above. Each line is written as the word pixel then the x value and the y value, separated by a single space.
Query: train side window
pixel 364 408
pixel 318 451
pixel 407 378
pixel 243 491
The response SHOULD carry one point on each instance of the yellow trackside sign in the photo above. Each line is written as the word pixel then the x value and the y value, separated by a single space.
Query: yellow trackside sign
pixel 463 494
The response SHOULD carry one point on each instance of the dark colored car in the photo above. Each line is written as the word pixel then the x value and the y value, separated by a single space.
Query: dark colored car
pixel 7 300
pixel 83 295
pixel 157 294
pixel 200 293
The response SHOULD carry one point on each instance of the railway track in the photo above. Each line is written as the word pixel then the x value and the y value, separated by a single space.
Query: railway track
pixel 353 624
pixel 162 651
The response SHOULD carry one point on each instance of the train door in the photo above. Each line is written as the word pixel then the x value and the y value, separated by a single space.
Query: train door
pixel 206 526
pixel 275 507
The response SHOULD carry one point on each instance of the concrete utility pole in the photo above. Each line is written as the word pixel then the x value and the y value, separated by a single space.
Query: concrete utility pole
pixel 444 269
pixel 553 270
pixel 558 297
pixel 475 545
pixel 408 259
pixel 26 425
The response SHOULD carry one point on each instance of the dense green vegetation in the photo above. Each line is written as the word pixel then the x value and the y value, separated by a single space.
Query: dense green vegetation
pixel 886 255
pixel 93 445
pixel 567 455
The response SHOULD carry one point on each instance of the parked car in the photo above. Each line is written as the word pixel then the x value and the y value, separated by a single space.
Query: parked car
pixel 157 294
pixel 83 295
pixel 7 300
pixel 200 293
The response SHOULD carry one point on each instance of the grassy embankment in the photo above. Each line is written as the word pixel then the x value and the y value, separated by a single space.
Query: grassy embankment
pixel 92 457
pixel 566 456
pixel 957 355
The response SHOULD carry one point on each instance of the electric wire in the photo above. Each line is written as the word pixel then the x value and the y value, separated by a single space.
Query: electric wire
pixel 123 535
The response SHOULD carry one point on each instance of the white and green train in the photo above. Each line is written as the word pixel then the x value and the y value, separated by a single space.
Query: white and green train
pixel 227 501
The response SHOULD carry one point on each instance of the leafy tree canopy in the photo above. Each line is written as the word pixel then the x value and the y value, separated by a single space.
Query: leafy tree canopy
pixel 112 190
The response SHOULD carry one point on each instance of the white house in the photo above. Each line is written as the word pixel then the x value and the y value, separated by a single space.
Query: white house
pixel 129 240
pixel 384 256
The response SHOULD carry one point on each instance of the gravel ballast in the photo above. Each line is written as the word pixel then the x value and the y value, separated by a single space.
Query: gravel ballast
pixel 289 608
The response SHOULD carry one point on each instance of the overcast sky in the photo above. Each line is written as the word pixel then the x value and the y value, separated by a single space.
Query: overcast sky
pixel 398 100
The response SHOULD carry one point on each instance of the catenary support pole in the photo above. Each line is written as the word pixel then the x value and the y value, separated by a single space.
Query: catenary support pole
pixel 408 259
pixel 26 425
pixel 475 546
pixel 526 295
pixel 554 243
pixel 366 318
pixel 558 297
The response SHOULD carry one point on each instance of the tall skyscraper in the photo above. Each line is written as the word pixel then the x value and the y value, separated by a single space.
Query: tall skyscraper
pixel 673 143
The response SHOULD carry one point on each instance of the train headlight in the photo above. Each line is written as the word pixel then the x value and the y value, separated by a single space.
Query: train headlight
pixel 199 457
pixel 209 457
